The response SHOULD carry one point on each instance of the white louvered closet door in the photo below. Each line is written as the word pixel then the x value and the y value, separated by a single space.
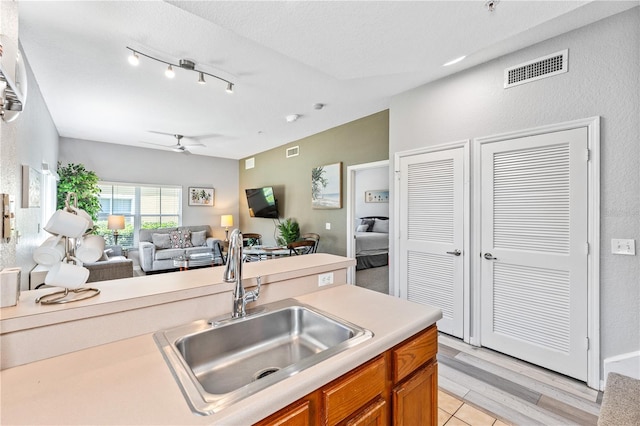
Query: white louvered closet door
pixel 431 234
pixel 534 249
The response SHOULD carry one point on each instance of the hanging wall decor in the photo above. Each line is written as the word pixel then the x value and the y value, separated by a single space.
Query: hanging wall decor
pixel 201 196
pixel 326 186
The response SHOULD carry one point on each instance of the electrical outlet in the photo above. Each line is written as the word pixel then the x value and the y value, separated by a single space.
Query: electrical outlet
pixel 327 226
pixel 619 246
pixel 325 279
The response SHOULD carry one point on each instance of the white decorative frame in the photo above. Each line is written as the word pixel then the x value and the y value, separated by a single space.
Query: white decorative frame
pixel 199 196
pixel 376 196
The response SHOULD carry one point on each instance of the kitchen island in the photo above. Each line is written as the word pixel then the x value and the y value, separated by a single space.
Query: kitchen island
pixel 127 381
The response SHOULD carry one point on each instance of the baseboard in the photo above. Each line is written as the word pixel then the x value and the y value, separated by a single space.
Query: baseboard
pixel 626 364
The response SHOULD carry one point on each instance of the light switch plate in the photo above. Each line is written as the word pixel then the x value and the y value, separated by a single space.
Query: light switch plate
pixel 621 246
pixel 327 225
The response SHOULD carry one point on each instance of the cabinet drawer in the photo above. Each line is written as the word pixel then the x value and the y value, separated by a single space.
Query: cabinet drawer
pixel 296 415
pixel 374 415
pixel 410 355
pixel 349 394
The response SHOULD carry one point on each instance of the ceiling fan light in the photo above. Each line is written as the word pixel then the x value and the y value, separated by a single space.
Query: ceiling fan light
pixel 201 79
pixel 170 73
pixel 229 87
pixel 134 59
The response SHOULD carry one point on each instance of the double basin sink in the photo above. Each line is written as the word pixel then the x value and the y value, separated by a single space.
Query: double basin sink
pixel 219 363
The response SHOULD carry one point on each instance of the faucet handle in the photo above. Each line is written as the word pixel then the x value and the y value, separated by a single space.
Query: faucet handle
pixel 253 295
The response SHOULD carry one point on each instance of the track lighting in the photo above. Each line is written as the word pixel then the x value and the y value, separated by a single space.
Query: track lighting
pixel 134 59
pixel 170 73
pixel 182 63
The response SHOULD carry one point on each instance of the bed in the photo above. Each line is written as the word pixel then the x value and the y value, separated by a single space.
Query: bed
pixel 372 242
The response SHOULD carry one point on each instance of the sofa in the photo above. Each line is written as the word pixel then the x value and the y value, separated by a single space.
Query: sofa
pixel 112 266
pixel 158 247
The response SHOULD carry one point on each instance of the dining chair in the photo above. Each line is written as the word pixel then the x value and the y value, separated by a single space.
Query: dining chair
pixel 310 236
pixel 301 247
pixel 249 240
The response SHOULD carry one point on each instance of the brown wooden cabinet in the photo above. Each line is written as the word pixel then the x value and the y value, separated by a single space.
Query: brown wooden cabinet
pixel 398 387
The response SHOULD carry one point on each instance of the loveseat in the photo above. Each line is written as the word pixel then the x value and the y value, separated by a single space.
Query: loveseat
pixel 158 247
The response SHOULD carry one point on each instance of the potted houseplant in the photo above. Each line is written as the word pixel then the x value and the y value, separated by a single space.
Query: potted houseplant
pixel 84 183
pixel 289 231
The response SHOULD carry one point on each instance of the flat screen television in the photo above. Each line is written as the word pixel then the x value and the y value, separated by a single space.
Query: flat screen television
pixel 262 202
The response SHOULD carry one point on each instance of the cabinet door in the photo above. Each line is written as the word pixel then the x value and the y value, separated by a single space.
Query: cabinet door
pixel 294 415
pixel 374 415
pixel 415 401
pixel 349 394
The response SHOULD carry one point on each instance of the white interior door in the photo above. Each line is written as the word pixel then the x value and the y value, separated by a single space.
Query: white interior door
pixel 534 249
pixel 431 228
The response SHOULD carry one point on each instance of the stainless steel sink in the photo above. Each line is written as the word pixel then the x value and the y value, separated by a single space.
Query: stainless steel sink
pixel 219 363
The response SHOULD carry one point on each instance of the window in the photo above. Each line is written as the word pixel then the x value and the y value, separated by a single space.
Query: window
pixel 143 206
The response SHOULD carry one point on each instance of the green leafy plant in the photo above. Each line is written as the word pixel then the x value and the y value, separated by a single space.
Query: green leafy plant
pixel 75 178
pixel 289 231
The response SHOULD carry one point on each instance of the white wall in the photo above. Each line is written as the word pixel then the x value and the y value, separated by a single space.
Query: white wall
pixel 603 79
pixel 30 139
pixel 366 180
pixel 121 163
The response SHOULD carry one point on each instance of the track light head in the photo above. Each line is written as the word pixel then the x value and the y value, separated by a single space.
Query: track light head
pixel 201 79
pixel 229 87
pixel 170 73
pixel 134 59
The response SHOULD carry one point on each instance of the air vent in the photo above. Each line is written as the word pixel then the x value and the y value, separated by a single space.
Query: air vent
pixel 294 151
pixel 547 66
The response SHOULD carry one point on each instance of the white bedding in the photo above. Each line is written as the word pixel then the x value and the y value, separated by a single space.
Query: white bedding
pixel 371 242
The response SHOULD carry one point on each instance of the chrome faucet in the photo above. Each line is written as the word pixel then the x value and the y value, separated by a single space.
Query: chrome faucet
pixel 233 274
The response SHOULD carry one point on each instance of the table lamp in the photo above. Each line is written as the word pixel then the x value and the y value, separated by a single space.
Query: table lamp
pixel 115 222
pixel 226 220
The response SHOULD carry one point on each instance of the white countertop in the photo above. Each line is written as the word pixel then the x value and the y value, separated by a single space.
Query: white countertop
pixel 128 381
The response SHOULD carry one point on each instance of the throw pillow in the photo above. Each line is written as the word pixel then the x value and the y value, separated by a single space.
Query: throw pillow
pixel 199 238
pixel 381 225
pixel 161 241
pixel 180 238
pixel 369 223
pixel 362 228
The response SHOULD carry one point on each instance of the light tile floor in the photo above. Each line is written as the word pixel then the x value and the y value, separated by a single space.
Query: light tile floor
pixel 453 412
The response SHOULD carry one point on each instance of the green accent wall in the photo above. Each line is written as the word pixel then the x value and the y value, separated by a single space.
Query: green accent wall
pixel 362 141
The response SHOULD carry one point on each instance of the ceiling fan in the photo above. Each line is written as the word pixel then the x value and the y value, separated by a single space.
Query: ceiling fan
pixel 178 147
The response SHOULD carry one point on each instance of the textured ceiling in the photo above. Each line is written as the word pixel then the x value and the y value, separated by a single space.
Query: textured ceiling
pixel 282 56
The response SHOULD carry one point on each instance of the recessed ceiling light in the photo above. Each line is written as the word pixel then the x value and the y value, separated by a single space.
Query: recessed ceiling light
pixel 291 118
pixel 318 106
pixel 455 61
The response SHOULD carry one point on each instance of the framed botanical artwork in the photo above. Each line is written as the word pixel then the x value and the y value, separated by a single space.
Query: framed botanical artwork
pixel 201 196
pixel 376 196
pixel 30 187
pixel 326 186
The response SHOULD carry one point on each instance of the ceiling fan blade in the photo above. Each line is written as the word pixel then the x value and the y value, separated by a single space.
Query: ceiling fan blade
pixel 158 144
pixel 197 144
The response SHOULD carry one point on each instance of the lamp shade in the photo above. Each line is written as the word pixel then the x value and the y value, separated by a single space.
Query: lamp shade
pixel 226 220
pixel 115 222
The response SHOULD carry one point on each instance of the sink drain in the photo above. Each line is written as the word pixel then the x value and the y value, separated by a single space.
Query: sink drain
pixel 264 373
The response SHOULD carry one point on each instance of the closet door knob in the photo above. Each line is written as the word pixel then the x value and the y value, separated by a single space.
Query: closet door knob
pixel 489 256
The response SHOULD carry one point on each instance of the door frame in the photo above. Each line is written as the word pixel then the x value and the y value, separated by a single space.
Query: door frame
pixel 466 234
pixel 351 211
pixel 593 232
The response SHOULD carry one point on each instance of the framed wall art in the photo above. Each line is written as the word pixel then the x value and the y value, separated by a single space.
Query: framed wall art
pixel 376 196
pixel 201 196
pixel 30 187
pixel 326 186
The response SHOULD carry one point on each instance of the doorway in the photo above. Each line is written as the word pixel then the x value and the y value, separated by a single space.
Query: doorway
pixel 362 178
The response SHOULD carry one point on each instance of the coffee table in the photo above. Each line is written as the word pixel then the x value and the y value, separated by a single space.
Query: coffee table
pixel 193 260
